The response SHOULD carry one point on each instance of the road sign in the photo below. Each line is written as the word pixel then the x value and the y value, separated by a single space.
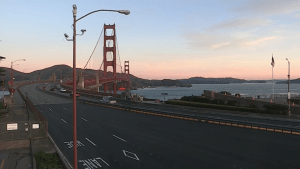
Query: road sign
pixel 35 126
pixel 12 126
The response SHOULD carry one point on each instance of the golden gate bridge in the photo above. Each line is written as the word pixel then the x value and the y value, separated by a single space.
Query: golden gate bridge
pixel 105 80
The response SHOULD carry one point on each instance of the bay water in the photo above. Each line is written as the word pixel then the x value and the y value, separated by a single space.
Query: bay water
pixel 264 90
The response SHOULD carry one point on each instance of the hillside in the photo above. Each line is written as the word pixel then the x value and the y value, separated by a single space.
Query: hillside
pixel 291 81
pixel 65 72
pixel 202 80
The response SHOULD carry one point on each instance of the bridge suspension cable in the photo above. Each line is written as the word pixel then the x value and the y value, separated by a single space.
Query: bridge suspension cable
pixel 93 50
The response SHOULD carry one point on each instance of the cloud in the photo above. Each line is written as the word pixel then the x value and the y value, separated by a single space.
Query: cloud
pixel 297 15
pixel 240 23
pixel 219 45
pixel 214 41
pixel 258 41
pixel 268 7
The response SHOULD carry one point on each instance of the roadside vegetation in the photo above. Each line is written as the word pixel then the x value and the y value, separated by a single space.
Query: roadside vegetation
pixel 2 109
pixel 47 161
pixel 202 102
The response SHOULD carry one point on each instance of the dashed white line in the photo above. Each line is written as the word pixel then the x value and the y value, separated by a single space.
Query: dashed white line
pixel 50 109
pixel 65 109
pixel 63 120
pixel 102 160
pixel 91 142
pixel 83 119
pixel 119 138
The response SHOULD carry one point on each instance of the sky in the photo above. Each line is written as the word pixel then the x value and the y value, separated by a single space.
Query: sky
pixel 170 39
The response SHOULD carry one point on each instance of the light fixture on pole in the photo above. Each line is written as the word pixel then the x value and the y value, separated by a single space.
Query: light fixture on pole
pixel 11 71
pixel 126 12
pixel 289 94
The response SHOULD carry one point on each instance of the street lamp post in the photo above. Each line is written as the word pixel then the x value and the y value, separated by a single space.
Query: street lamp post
pixel 11 70
pixel 289 94
pixel 126 12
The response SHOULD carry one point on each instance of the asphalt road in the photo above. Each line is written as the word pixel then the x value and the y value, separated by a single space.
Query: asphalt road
pixel 213 113
pixel 113 138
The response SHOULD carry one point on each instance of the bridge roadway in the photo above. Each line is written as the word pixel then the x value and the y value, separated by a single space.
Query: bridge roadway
pixel 116 138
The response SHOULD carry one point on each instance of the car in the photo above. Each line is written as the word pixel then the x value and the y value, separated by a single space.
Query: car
pixel 63 90
pixel 52 89
pixel 77 94
pixel 108 99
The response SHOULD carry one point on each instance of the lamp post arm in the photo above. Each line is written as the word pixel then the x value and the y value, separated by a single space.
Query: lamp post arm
pixel 96 11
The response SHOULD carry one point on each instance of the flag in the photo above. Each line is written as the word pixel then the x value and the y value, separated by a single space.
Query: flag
pixel 273 62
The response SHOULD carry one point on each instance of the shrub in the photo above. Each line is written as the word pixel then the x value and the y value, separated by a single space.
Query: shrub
pixel 44 160
pixel 232 103
pixel 2 105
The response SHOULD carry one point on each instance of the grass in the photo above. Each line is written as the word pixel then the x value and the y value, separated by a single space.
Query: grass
pixel 47 161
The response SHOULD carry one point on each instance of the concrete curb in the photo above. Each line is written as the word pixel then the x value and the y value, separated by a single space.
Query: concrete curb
pixel 63 158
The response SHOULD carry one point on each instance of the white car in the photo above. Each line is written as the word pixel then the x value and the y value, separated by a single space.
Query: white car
pixel 108 99
pixel 63 90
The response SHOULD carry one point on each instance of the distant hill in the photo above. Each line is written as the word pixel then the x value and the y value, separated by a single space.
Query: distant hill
pixel 291 81
pixel 202 80
pixel 66 72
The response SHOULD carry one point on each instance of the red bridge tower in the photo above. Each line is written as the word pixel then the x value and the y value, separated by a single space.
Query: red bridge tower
pixel 106 50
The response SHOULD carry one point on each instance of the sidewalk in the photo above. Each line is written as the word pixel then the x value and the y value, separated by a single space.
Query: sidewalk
pixel 14 153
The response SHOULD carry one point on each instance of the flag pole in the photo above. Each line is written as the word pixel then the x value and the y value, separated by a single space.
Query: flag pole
pixel 273 82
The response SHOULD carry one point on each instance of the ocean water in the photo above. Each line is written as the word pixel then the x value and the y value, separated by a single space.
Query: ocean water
pixel 245 89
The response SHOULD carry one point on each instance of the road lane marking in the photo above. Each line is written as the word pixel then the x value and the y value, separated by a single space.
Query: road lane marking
pixel 65 109
pixel 119 138
pixel 91 142
pixel 50 109
pixel 63 120
pixel 83 119
pixel 70 144
pixel 130 155
pixel 98 158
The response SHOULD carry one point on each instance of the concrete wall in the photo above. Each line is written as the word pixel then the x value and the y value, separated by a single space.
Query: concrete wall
pixel 244 101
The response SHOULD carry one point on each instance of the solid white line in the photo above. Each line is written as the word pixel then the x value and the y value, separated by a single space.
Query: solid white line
pixel 102 160
pixel 119 138
pixel 63 120
pixel 50 109
pixel 83 119
pixel 65 109
pixel 91 142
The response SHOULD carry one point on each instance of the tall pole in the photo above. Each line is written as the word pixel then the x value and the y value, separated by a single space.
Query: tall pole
pixel 289 94
pixel 74 94
pixel 11 75
pixel 273 82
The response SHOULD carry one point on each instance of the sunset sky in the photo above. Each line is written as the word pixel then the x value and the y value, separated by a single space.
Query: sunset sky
pixel 161 39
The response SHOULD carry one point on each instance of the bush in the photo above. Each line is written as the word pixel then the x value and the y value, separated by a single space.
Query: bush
pixel 232 103
pixel 45 161
pixel 2 105
pixel 217 101
pixel 276 109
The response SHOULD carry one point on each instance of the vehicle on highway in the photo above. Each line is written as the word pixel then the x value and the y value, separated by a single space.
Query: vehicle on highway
pixel 77 94
pixel 63 90
pixel 108 99
pixel 52 89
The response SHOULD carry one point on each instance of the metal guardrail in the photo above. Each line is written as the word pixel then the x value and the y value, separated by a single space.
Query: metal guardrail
pixel 204 119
